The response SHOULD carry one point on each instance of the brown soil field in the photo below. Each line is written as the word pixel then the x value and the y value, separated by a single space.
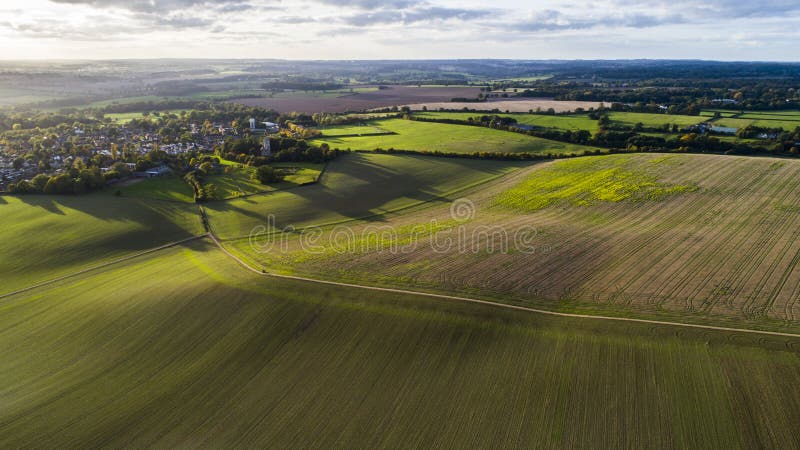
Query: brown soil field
pixel 726 253
pixel 514 106
pixel 392 96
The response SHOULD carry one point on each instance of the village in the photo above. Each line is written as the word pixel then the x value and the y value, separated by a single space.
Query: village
pixel 126 144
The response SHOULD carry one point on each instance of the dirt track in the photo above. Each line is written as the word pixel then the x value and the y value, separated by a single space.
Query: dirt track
pixel 501 305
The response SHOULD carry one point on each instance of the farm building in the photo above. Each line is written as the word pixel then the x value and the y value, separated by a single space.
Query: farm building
pixel 724 130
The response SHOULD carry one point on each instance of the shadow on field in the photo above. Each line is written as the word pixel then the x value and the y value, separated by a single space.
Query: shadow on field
pixel 3 201
pixel 361 186
pixel 151 220
pixel 45 202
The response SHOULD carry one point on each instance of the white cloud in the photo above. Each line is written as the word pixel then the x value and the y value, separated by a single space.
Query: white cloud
pixel 346 29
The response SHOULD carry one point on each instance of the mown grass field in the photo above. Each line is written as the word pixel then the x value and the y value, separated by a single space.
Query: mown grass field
pixel 788 120
pixel 127 117
pixel 171 187
pixel 723 113
pixel 575 122
pixel 352 130
pixel 654 120
pixel 186 349
pixel 43 237
pixel 231 183
pixel 236 181
pixel 425 136
pixel 709 239
pixel 356 186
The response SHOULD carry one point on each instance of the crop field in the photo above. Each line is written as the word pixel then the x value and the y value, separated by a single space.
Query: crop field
pixel 643 235
pixel 44 237
pixel 193 351
pixel 426 136
pixel 655 120
pixel 725 138
pixel 360 101
pixel 356 186
pixel 570 122
pixel 506 106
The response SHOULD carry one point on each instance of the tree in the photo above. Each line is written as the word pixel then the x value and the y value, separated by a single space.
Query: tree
pixel 206 168
pixel 266 174
pixel 211 191
pixel 39 182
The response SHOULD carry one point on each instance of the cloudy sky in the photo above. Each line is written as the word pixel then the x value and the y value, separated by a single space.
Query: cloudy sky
pixel 400 29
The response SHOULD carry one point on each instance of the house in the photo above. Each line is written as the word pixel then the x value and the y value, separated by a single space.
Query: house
pixel 724 130
pixel 157 171
pixel 270 128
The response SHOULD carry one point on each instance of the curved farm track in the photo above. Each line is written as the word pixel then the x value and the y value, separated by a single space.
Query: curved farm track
pixel 726 253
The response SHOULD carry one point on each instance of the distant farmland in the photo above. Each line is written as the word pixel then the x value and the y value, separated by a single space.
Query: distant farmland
pixel 512 106
pixel 788 120
pixel 402 134
pixel 655 120
pixel 653 235
pixel 359 101
pixel 575 122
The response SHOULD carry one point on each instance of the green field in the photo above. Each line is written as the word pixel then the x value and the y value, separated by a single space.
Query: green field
pixel 236 182
pixel 560 122
pixel 779 115
pixel 186 349
pixel 124 118
pixel 787 122
pixel 723 113
pixel 351 130
pixel 424 136
pixel 654 120
pixel 44 237
pixel 357 186
pixel 170 187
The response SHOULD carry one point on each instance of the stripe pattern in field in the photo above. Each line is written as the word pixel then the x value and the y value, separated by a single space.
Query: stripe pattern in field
pixel 183 348
pixel 726 250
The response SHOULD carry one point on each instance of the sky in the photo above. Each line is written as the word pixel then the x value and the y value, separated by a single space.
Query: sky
pixel 400 29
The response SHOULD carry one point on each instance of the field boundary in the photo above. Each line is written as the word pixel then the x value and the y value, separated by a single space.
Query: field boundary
pixel 501 305
pixel 103 265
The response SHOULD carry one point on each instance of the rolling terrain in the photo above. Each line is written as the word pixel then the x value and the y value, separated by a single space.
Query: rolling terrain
pixel 356 186
pixel 44 237
pixel 213 355
pixel 633 235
